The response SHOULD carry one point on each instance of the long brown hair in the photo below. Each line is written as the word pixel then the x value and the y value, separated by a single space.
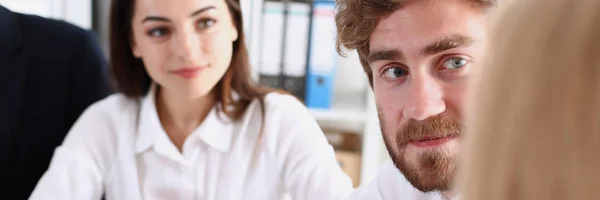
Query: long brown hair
pixel 534 130
pixel 132 80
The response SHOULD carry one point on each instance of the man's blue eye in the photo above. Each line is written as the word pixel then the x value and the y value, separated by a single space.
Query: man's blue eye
pixel 395 72
pixel 454 63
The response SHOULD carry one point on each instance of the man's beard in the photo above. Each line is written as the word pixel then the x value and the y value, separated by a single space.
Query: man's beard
pixel 435 168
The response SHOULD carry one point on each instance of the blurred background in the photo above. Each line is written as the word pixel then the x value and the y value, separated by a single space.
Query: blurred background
pixel 292 47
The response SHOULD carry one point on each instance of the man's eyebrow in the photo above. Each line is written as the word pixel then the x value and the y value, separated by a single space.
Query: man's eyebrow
pixel 384 54
pixel 450 42
pixel 446 43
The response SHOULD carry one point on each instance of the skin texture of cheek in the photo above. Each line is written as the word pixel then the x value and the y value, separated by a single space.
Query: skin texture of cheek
pixel 390 103
pixel 156 62
pixel 223 50
pixel 455 99
pixel 388 128
pixel 220 59
pixel 389 109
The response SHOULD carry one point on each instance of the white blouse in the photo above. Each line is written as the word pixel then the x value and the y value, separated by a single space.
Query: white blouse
pixel 118 149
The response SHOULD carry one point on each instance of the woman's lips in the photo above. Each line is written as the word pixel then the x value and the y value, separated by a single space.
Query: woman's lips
pixel 188 72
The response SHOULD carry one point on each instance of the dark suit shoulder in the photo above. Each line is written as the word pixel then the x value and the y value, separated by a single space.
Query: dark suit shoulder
pixel 53 34
pixel 50 27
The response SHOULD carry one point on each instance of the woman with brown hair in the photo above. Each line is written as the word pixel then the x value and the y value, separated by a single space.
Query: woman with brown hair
pixel 534 130
pixel 188 122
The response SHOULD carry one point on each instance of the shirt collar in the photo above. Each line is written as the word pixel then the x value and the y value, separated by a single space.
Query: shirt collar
pixel 215 130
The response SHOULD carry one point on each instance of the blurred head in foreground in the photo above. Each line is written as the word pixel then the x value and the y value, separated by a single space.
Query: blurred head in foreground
pixel 534 129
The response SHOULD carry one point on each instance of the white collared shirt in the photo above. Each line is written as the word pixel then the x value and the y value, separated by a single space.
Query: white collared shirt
pixel 119 149
pixel 390 184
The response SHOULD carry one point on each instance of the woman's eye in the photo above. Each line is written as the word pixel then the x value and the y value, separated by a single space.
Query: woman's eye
pixel 158 32
pixel 454 63
pixel 206 23
pixel 395 72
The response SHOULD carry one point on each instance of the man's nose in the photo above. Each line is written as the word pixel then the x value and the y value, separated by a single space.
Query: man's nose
pixel 425 99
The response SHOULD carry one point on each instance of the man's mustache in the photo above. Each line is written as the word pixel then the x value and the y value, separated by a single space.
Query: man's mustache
pixel 430 128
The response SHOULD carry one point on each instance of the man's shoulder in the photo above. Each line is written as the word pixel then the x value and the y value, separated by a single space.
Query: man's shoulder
pixel 41 31
pixel 390 184
pixel 34 22
pixel 381 187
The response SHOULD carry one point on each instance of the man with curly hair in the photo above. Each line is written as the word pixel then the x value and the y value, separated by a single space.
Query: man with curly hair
pixel 418 56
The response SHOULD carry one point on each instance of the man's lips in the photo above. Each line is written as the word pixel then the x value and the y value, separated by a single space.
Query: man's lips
pixel 431 141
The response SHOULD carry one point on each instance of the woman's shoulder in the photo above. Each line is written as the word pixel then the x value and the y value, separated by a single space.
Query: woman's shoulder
pixel 277 101
pixel 98 130
pixel 113 102
pixel 112 113
pixel 102 121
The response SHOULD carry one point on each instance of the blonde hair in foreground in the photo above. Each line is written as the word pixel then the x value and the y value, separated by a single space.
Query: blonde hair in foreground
pixel 534 130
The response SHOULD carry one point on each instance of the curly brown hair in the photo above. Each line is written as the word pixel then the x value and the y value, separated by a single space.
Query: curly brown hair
pixel 356 20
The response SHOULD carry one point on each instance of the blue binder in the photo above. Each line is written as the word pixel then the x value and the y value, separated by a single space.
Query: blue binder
pixel 322 56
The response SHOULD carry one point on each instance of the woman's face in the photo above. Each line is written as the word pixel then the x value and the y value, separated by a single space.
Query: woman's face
pixel 186 45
